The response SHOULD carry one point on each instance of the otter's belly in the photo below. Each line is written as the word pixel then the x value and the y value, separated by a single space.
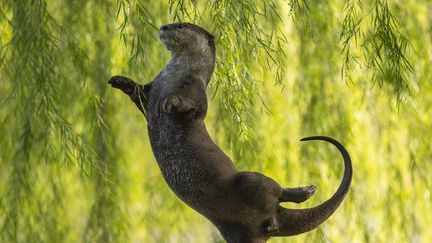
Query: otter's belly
pixel 182 167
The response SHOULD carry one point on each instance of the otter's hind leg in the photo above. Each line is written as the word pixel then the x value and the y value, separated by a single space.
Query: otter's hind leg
pixel 297 195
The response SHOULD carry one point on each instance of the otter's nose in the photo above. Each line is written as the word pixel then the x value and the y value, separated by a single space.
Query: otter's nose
pixel 163 27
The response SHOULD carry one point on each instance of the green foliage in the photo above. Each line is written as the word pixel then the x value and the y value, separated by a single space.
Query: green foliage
pixel 383 48
pixel 75 162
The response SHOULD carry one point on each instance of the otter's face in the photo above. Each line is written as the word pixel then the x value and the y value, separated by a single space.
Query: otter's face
pixel 186 38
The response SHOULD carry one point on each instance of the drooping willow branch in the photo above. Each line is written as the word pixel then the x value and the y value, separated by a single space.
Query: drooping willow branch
pixel 382 48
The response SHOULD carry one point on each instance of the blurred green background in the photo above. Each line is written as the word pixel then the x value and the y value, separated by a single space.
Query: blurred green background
pixel 75 162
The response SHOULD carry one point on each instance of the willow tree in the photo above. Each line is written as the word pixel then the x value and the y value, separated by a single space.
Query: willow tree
pixel 74 156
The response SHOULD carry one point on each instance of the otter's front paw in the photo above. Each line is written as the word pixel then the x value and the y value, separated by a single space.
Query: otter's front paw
pixel 125 84
pixel 171 103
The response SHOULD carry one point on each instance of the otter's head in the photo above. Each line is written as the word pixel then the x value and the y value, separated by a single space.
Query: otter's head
pixel 187 39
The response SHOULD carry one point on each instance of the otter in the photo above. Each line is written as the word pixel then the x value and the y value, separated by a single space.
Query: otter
pixel 244 206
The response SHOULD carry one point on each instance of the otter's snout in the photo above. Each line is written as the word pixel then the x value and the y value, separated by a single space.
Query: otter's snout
pixel 167 32
pixel 171 26
pixel 163 27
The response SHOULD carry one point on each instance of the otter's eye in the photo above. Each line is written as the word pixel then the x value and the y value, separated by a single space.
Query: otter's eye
pixel 180 26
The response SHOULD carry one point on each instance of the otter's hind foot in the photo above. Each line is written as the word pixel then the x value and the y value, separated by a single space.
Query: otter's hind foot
pixel 297 195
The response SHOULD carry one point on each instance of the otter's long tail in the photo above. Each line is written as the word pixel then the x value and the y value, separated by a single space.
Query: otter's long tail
pixel 296 221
